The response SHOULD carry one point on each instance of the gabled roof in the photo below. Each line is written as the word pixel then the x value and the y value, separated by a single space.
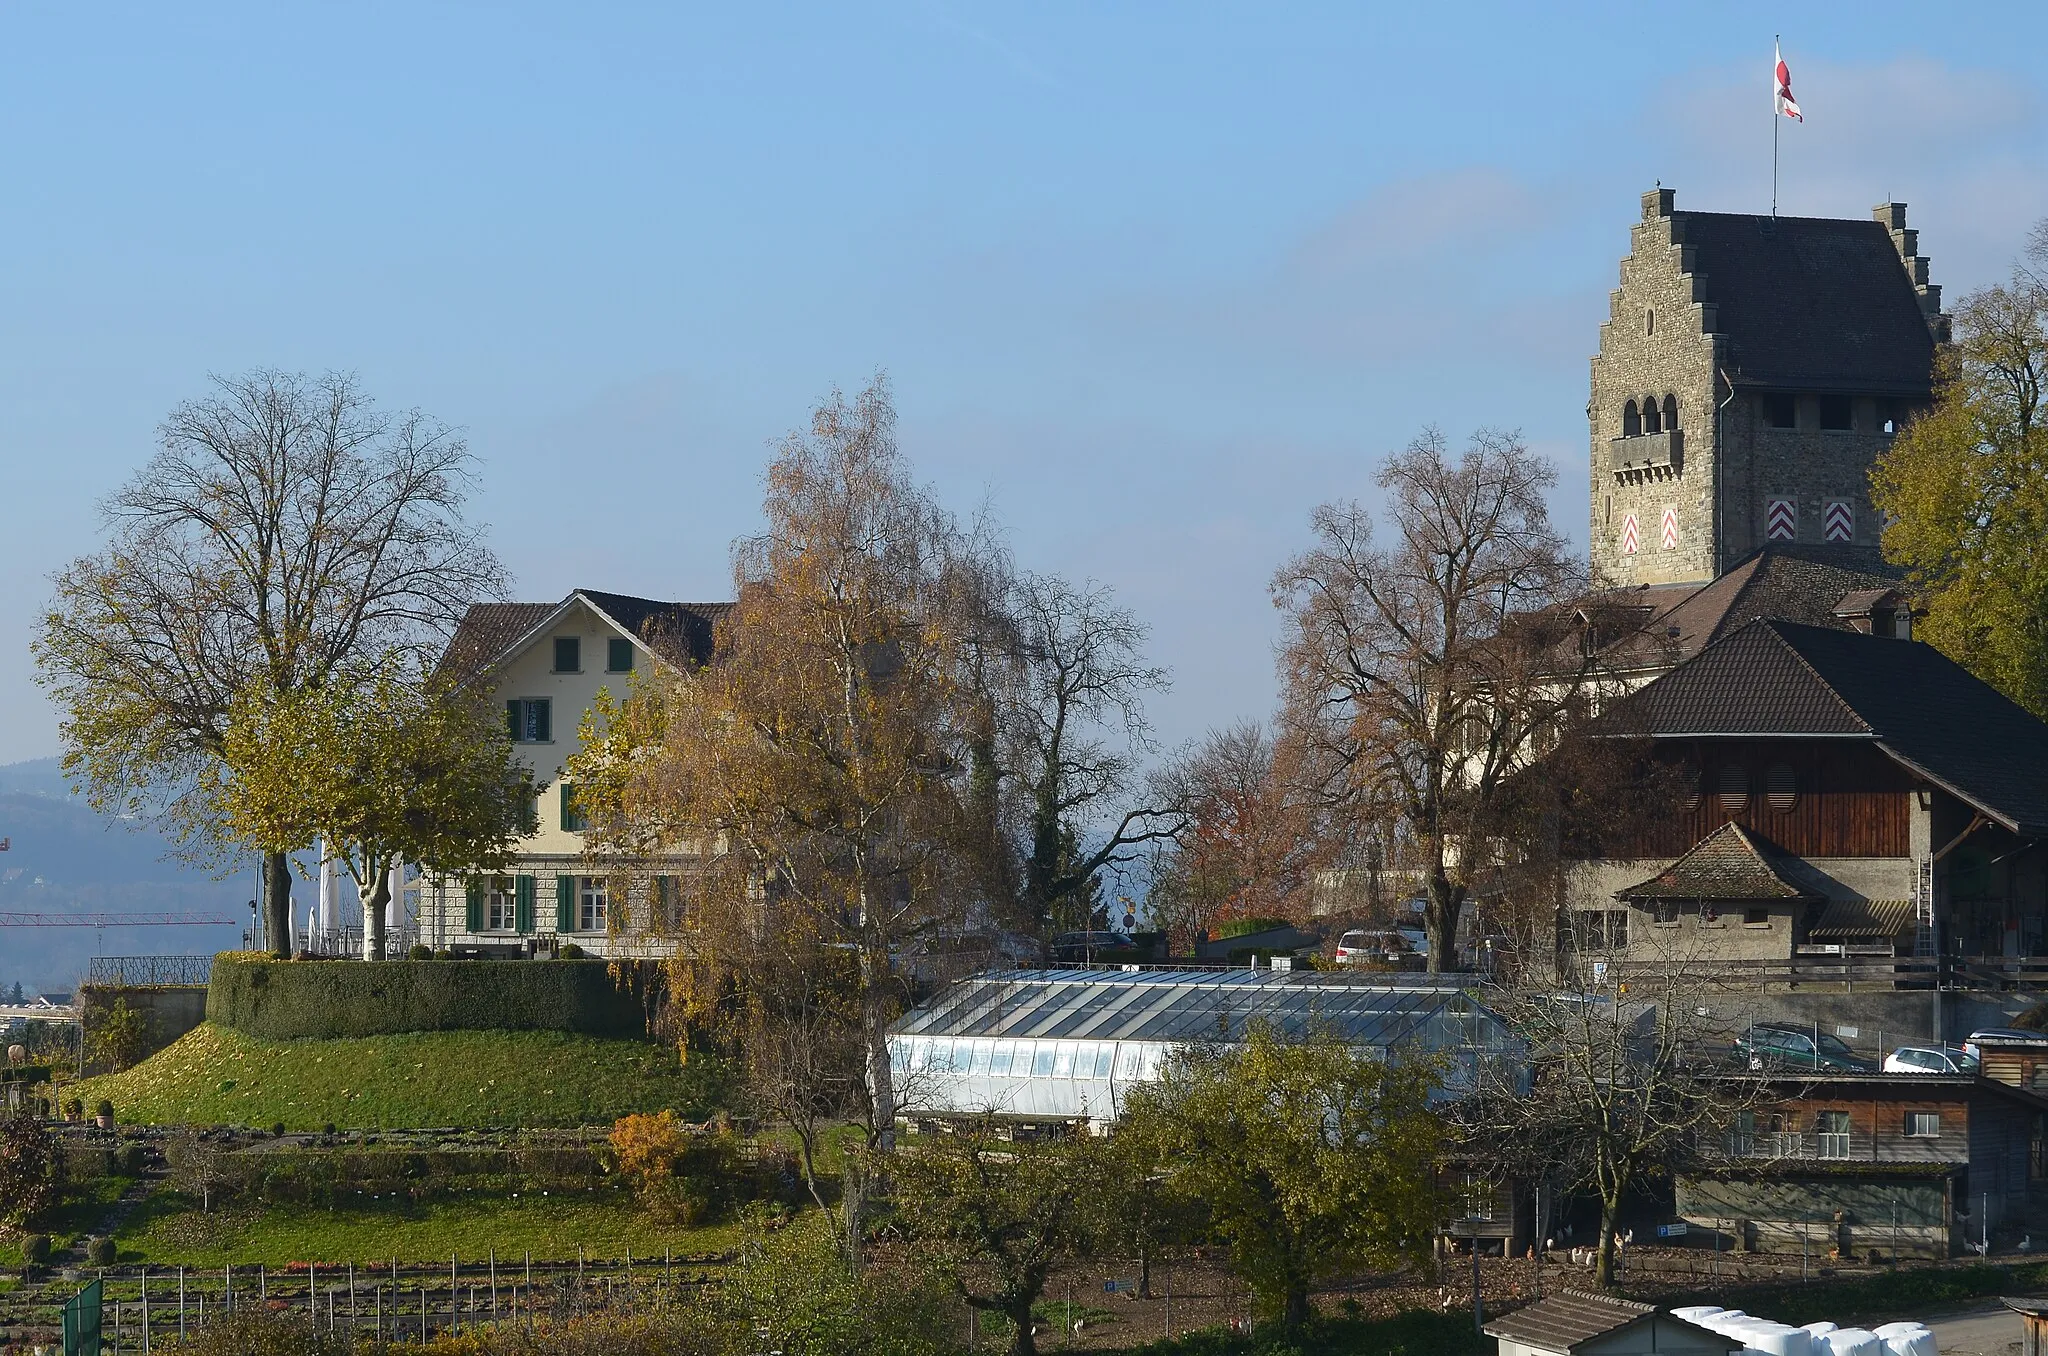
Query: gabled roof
pixel 490 633
pixel 1811 303
pixel 1780 679
pixel 1790 582
pixel 1732 864
pixel 1568 1319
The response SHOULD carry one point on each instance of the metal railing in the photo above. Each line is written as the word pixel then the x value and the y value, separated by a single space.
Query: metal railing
pixel 149 972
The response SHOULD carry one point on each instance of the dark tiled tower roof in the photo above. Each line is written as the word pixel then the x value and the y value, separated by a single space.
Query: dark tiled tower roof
pixel 1814 303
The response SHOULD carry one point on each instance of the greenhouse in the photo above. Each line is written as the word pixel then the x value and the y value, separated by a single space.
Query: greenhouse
pixel 1064 1045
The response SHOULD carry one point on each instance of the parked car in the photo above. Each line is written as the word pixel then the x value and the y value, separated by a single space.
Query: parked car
pixel 1368 946
pixel 1774 1045
pixel 2003 1033
pixel 1094 947
pixel 1941 1059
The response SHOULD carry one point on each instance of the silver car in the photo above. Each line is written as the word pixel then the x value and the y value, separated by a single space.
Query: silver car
pixel 1936 1059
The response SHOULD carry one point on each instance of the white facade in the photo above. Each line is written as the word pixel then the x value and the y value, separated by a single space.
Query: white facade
pixel 546 680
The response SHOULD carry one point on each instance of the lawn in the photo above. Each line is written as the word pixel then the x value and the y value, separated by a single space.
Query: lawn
pixel 217 1076
pixel 84 1204
pixel 169 1230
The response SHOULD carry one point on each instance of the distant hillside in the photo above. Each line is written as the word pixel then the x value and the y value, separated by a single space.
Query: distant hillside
pixel 65 858
pixel 36 777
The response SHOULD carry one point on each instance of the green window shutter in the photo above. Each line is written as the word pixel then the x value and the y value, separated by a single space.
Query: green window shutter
pixel 512 721
pixel 565 903
pixel 522 903
pixel 475 916
pixel 619 658
pixel 571 821
pixel 546 730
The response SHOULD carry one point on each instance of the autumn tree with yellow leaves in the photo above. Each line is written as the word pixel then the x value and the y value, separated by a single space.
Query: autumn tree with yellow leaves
pixel 815 768
pixel 1964 491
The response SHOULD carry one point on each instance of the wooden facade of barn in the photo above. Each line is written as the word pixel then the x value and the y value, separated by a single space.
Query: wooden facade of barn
pixel 1871 1165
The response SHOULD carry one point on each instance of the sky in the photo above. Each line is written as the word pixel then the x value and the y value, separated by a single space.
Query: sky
pixel 1149 281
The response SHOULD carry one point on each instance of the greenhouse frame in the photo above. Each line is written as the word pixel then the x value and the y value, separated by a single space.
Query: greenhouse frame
pixel 1066 1045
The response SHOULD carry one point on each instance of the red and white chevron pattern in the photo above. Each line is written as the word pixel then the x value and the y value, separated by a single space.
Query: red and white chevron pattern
pixel 1630 534
pixel 1840 522
pixel 1670 529
pixel 1781 520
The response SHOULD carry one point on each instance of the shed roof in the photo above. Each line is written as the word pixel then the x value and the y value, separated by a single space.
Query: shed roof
pixel 1567 1319
pixel 1865 918
pixel 1188 1006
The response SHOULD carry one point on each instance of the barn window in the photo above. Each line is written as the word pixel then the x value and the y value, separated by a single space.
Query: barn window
pixel 1650 421
pixel 1781 787
pixel 1835 414
pixel 1734 788
pixel 1694 782
pixel 1831 1129
pixel 1671 414
pixel 1631 420
pixel 1781 411
pixel 1923 1125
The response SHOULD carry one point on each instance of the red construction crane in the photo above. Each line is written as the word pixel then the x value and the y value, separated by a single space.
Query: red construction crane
pixel 110 920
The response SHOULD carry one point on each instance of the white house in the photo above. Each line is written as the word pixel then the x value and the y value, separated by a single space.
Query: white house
pixel 544 665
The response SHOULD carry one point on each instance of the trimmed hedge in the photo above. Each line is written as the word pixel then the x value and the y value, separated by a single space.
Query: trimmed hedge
pixel 292 1000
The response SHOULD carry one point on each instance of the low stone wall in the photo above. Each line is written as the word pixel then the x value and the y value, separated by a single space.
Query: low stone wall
pixel 168 1011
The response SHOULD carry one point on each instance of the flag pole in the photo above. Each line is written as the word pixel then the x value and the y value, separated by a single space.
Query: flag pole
pixel 1776 38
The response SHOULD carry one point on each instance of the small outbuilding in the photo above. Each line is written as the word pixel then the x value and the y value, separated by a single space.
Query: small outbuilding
pixel 1576 1322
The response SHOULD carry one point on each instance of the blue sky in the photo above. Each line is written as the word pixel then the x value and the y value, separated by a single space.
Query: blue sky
pixel 1152 280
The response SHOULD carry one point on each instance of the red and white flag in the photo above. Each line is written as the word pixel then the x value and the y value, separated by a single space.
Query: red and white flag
pixel 1781 87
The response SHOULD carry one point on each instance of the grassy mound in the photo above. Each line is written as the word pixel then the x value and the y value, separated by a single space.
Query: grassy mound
pixel 216 1076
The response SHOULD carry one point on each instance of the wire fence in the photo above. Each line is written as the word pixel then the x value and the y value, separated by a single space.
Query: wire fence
pixel 149 972
pixel 142 1307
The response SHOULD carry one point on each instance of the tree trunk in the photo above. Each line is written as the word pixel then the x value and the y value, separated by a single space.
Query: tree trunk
pixel 277 903
pixel 1610 1215
pixel 874 980
pixel 1022 1343
pixel 1440 921
pixel 373 917
pixel 1144 1273
pixel 1294 1307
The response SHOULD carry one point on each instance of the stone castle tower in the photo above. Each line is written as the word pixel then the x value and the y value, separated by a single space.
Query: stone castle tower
pixel 1750 371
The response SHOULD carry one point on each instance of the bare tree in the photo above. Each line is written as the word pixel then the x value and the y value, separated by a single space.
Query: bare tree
pixel 1076 732
pixel 284 527
pixel 1249 840
pixel 1422 677
pixel 1619 1082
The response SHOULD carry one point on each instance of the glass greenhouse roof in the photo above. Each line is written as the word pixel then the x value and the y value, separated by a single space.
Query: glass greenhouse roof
pixel 1198 1006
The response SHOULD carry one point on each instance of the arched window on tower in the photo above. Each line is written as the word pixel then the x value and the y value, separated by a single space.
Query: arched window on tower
pixel 1650 424
pixel 1631 421
pixel 1671 414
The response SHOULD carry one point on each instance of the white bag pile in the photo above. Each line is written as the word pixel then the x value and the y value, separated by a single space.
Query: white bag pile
pixel 1762 1337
